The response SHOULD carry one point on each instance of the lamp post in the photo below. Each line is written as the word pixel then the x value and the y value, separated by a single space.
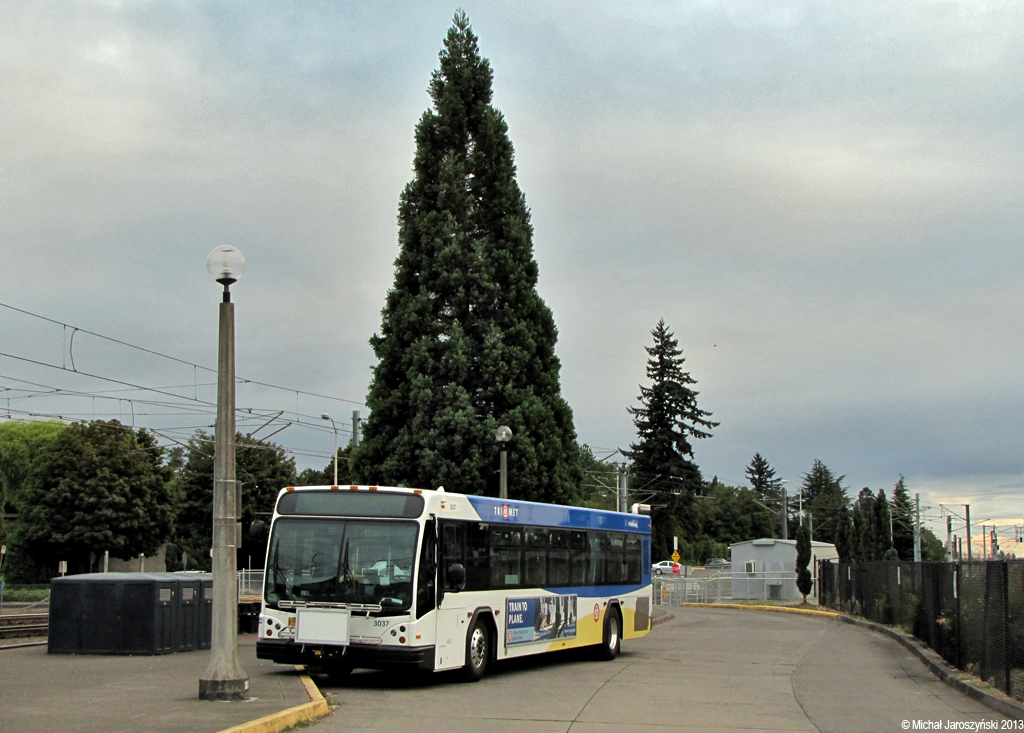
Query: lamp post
pixel 224 678
pixel 502 435
pixel 325 416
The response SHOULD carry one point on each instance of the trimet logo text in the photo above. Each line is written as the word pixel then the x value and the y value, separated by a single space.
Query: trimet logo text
pixel 506 512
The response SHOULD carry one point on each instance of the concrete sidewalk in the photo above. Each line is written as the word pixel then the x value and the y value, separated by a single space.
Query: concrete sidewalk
pixel 41 693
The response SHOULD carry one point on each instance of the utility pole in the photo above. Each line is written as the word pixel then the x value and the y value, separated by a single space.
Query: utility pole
pixel 785 514
pixel 356 420
pixel 949 538
pixel 623 488
pixel 967 509
pixel 917 528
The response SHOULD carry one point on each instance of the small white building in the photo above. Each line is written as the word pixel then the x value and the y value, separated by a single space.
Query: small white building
pixel 766 568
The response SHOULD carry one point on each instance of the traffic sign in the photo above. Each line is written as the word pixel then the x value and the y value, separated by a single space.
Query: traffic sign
pixel 675 557
pixel 675 569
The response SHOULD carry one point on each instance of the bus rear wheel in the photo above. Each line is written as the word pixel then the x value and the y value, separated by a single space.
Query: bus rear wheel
pixel 612 641
pixel 478 650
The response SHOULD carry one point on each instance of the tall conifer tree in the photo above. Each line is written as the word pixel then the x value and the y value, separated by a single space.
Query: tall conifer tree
pixel 823 496
pixel 466 342
pixel 768 486
pixel 902 521
pixel 662 457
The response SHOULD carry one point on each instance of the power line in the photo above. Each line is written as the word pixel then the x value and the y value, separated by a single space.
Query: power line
pixel 76 329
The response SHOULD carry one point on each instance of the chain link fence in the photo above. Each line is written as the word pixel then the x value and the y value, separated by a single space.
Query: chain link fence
pixel 971 613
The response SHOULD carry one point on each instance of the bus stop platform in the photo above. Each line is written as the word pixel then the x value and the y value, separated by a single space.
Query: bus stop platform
pixel 88 693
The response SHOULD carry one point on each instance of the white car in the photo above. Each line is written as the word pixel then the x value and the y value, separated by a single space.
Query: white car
pixel 665 567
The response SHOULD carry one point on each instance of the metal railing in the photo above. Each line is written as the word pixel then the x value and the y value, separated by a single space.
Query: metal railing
pixel 672 590
pixel 250 583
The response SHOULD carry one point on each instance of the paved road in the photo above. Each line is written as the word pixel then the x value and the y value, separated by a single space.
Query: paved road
pixel 707 670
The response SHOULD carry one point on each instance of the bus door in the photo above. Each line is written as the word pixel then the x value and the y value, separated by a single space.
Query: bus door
pixel 450 635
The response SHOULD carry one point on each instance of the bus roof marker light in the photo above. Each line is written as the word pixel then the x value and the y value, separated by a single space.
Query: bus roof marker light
pixel 290 488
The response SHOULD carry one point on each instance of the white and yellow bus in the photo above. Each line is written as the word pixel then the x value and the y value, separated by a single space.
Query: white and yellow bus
pixel 381 577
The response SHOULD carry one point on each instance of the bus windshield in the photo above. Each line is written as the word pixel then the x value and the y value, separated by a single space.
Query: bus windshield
pixel 341 561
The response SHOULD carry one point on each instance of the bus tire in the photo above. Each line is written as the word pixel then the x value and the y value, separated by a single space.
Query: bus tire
pixel 478 650
pixel 612 641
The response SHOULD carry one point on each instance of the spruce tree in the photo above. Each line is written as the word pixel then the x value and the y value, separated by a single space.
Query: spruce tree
pixel 845 537
pixel 902 521
pixel 466 342
pixel 662 457
pixel 864 526
pixel 883 525
pixel 823 496
pixel 768 487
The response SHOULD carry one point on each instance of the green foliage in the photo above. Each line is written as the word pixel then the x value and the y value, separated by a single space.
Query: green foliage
pixel 803 560
pixel 94 487
pixel 768 487
pixel 731 514
pixel 932 549
pixel 667 418
pixel 262 467
pixel 883 525
pixel 903 520
pixel 865 528
pixel 20 443
pixel 466 342
pixel 845 539
pixel 823 498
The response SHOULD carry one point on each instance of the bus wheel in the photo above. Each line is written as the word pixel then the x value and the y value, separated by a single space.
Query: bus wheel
pixel 612 634
pixel 477 651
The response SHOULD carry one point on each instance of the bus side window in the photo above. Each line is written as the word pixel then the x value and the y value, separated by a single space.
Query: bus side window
pixel 478 572
pixel 615 558
pixel 536 557
pixel 579 558
pixel 453 539
pixel 598 542
pixel 633 558
pixel 426 597
pixel 506 558
pixel 558 558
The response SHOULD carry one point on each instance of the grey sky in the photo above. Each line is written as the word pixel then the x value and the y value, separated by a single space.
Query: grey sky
pixel 823 200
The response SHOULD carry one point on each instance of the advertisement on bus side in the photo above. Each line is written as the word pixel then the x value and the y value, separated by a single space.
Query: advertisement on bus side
pixel 540 619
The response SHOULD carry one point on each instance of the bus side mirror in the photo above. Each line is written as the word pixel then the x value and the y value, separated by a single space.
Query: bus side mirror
pixel 455 576
pixel 258 530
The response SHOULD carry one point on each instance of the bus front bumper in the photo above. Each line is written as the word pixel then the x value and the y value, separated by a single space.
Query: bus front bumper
pixel 356 655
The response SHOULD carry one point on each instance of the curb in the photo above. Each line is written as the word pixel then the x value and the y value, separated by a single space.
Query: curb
pixel 663 619
pixel 990 697
pixel 773 609
pixel 277 722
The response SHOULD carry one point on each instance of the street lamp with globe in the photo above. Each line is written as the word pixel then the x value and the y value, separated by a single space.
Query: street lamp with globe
pixel 224 678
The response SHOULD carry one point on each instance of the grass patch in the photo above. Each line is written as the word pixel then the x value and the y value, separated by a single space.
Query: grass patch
pixel 24 595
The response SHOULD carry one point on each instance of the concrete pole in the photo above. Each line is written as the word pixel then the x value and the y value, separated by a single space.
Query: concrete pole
pixel 623 484
pixel 949 538
pixel 356 433
pixel 917 528
pixel 503 486
pixel 224 678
